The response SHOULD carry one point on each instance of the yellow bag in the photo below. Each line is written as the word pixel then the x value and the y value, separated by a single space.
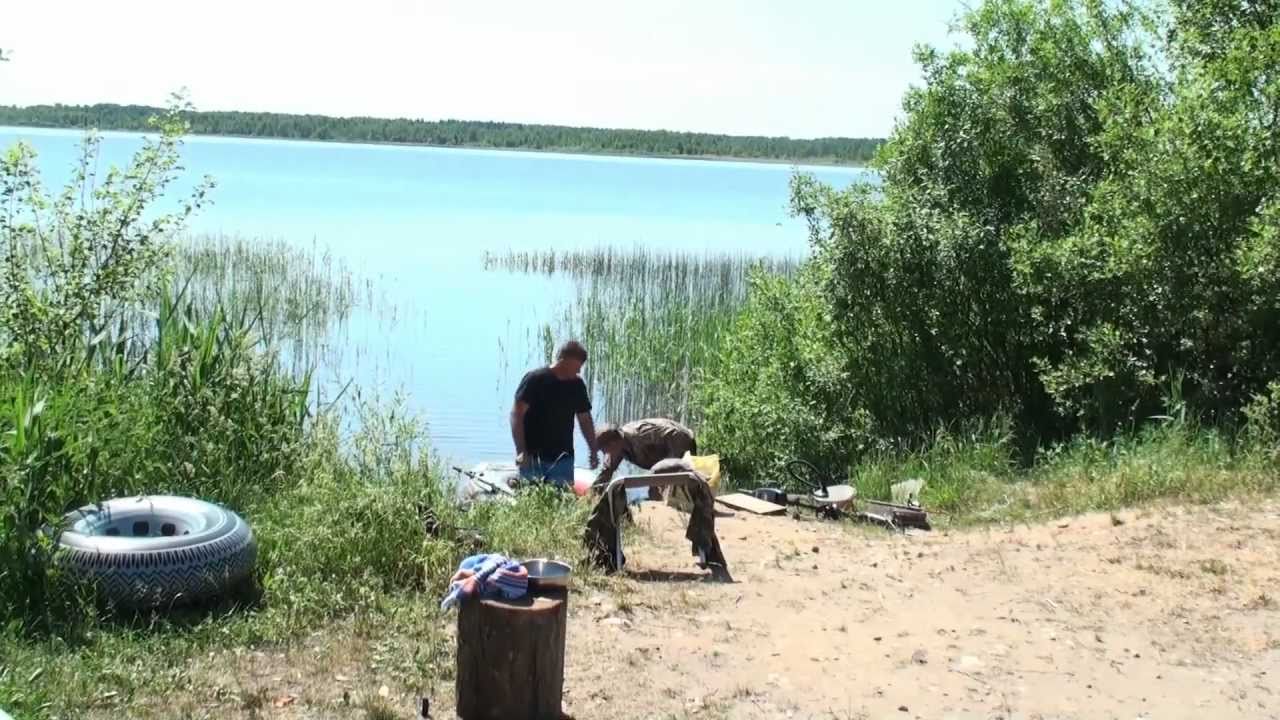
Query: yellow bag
pixel 708 466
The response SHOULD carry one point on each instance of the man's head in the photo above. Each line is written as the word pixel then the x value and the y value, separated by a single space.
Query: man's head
pixel 570 357
pixel 609 439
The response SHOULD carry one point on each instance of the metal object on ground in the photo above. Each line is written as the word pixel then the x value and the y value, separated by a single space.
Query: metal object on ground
pixel 773 495
pixel 545 574
pixel 894 516
pixel 826 496
pixel 837 495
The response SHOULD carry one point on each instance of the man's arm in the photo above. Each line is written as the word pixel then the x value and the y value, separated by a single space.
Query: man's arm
pixel 589 434
pixel 610 468
pixel 518 411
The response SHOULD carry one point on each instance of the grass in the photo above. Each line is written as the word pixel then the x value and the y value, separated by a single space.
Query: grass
pixel 351 601
pixel 345 547
pixel 977 478
pixel 298 297
pixel 650 319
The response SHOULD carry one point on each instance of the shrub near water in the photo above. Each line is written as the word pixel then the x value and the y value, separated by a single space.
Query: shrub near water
pixel 1078 213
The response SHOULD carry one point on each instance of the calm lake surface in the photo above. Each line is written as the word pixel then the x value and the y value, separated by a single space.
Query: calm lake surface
pixel 452 338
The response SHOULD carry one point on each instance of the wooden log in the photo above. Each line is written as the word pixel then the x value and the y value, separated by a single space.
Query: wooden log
pixel 511 657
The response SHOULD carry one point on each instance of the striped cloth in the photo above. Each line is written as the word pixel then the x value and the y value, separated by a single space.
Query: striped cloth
pixel 487 576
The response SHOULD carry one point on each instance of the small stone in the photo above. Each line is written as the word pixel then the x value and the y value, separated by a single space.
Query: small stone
pixel 384 691
pixel 815 549
pixel 903 708
pixel 920 657
pixel 877 638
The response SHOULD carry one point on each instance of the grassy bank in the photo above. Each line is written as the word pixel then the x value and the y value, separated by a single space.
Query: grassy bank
pixel 134 361
pixel 360 603
pixel 358 544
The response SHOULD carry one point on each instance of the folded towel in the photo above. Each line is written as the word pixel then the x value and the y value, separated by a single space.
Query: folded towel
pixel 486 576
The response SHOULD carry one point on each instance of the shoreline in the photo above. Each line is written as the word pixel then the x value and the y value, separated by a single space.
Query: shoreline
pixel 827 163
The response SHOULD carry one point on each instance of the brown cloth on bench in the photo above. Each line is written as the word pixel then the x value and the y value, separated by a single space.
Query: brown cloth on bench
pixel 604 527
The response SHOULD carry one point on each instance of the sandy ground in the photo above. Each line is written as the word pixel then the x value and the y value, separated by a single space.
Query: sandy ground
pixel 1168 613
pixel 1164 614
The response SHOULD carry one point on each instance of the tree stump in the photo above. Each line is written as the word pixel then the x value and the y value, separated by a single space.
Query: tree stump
pixel 511 657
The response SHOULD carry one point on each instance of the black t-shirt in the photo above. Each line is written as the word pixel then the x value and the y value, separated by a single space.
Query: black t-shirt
pixel 548 425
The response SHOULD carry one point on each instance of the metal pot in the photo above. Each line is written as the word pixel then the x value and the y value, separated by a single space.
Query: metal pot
pixel 548 574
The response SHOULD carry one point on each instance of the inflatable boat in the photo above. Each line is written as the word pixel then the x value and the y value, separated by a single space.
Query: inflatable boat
pixel 498 480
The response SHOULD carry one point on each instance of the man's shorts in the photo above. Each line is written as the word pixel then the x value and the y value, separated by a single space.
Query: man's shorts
pixel 558 473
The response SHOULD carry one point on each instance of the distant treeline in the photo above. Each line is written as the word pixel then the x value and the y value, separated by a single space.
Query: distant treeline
pixel 455 133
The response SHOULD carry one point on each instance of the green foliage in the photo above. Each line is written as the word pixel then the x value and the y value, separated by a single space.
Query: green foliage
pixel 71 263
pixel 1263 421
pixel 202 413
pixel 1078 212
pixel 773 386
pixel 456 133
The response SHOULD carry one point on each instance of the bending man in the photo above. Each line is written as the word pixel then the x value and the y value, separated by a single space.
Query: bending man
pixel 643 443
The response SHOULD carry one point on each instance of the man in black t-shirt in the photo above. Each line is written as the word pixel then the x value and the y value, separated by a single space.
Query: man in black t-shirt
pixel 542 418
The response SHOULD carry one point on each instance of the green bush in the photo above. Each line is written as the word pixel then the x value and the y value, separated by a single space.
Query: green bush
pixel 1079 210
pixel 774 391
pixel 1263 421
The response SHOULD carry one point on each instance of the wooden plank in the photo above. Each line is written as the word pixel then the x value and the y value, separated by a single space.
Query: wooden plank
pixel 738 501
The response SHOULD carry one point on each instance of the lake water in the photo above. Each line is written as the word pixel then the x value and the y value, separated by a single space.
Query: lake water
pixel 417 221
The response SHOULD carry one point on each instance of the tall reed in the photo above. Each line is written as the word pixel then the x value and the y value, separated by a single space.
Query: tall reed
pixel 650 319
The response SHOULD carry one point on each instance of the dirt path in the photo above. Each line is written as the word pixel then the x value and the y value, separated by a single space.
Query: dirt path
pixel 1163 614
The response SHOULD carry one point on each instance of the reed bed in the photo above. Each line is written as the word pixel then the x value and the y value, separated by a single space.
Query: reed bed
pixel 651 319
pixel 296 297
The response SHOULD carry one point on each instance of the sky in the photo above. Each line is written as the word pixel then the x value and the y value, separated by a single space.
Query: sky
pixel 803 68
